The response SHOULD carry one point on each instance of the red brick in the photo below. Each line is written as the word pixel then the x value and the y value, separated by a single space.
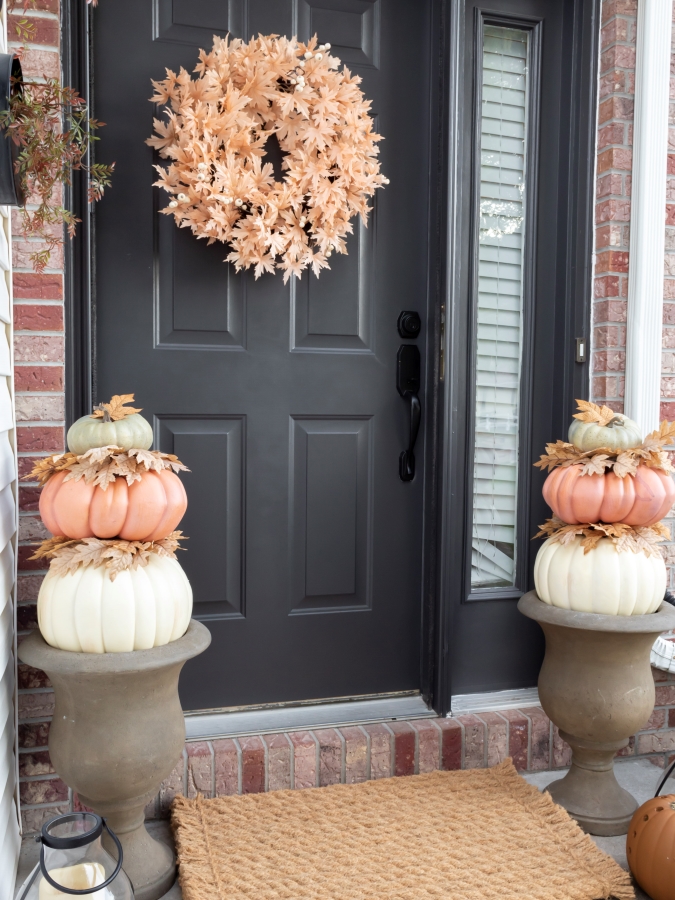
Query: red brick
pixel 609 336
pixel 32 819
pixel 226 764
pixel 609 361
pixel 428 745
pixel 451 744
pixel 38 378
pixel 671 718
pixel 33 734
pixel 39 63
pixel 356 755
pixel 31 317
pixel 29 678
pixel 380 751
pixel 497 739
pixel 618 56
pixel 23 252
pixel 612 82
pixel 39 348
pixel 665 695
pixel 40 437
pixel 474 742
pixel 252 765
pixel 612 210
pixel 655 721
pixel 49 790
pixel 615 158
pixel 671 164
pixel 612 310
pixel 656 742
pixel 304 762
pixel 330 756
pixel 518 737
pixel 31 764
pixel 29 498
pixel 31 528
pixel 199 769
pixel 45 31
pixel 629 749
pixel 278 762
pixel 609 235
pixel 26 564
pixel 667 411
pixel 404 748
pixel 612 261
pixel 30 286
pixel 614 133
pixel 28 587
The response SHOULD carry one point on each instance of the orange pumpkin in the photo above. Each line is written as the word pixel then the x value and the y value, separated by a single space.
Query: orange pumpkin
pixel 650 847
pixel 640 499
pixel 146 510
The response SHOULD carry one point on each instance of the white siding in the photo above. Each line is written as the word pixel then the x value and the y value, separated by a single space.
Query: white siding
pixel 10 838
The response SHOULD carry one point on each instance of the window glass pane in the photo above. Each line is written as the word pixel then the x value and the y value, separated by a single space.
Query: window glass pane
pixel 501 240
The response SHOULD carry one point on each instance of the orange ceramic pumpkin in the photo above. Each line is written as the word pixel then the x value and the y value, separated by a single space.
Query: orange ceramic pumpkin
pixel 640 499
pixel 650 847
pixel 146 510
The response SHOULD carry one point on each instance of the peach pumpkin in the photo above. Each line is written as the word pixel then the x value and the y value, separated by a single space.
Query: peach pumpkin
pixel 640 499
pixel 147 510
pixel 650 847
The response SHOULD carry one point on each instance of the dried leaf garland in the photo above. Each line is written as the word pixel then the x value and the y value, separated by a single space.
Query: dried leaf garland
pixel 115 555
pixel 116 409
pixel 621 462
pixel 101 465
pixel 624 537
pixel 214 135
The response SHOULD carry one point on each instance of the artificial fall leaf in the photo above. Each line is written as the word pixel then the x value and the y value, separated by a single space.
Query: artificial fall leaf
pixel 43 470
pixel 591 412
pixel 596 464
pixel 624 537
pixel 665 434
pixel 625 464
pixel 115 555
pixel 116 409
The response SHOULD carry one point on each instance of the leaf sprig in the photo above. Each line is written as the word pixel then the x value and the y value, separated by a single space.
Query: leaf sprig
pixel 116 555
pixel 102 465
pixel 591 412
pixel 116 409
pixel 625 462
pixel 626 538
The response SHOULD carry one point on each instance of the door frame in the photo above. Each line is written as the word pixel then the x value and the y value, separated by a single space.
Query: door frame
pixel 443 430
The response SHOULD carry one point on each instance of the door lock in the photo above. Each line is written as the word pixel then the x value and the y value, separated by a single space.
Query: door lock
pixel 409 324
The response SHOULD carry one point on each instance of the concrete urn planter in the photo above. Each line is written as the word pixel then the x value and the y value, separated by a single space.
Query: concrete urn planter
pixel 117 732
pixel 596 685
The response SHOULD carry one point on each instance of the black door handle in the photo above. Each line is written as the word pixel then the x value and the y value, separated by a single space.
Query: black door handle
pixel 408 386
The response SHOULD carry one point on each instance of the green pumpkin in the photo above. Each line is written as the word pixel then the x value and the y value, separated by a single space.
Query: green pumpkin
pixel 111 423
pixel 620 433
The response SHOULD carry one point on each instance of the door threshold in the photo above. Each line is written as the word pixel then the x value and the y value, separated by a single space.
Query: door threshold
pixel 464 704
pixel 237 722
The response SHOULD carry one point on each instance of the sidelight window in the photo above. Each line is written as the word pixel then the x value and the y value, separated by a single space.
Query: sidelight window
pixel 498 295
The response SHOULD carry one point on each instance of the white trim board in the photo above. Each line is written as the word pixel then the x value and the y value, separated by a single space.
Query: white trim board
pixel 461 704
pixel 206 726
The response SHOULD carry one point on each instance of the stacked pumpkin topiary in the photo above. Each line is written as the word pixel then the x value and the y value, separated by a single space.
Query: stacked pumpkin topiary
pixel 609 491
pixel 113 506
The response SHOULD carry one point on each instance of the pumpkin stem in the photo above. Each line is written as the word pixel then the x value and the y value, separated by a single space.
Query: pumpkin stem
pixel 103 408
pixel 617 420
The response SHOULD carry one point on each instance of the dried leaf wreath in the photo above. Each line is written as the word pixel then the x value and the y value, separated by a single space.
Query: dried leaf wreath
pixel 625 462
pixel 625 537
pixel 101 465
pixel 116 555
pixel 215 134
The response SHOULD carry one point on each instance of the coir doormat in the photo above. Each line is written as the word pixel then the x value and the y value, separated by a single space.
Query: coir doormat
pixel 469 835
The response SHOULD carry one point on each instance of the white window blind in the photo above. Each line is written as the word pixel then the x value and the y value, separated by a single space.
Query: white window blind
pixel 10 839
pixel 503 137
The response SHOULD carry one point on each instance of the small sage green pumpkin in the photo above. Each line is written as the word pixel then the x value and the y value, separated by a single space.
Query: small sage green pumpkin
pixel 111 423
pixel 620 433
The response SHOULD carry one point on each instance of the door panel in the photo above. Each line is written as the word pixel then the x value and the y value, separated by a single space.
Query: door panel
pixel 305 549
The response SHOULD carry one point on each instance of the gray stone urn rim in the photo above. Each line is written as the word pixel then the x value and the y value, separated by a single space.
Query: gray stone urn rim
pixel 195 640
pixel 655 623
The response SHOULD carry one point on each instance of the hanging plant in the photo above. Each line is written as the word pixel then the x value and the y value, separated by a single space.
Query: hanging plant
pixel 48 136
pixel 215 134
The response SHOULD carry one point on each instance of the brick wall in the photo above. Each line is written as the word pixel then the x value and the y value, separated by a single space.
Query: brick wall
pixel 305 759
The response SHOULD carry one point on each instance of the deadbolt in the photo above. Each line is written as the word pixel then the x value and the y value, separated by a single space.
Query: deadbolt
pixel 409 324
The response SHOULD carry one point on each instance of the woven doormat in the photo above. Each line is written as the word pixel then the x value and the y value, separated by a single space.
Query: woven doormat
pixel 477 834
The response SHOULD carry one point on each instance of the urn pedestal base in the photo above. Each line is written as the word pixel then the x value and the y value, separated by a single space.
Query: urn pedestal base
pixel 117 732
pixel 596 685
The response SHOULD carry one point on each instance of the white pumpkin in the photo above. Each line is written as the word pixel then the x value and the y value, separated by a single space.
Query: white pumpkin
pixel 86 612
pixel 600 581
pixel 620 433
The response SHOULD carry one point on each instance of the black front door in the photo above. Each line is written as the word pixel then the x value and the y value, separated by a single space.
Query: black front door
pixel 305 546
